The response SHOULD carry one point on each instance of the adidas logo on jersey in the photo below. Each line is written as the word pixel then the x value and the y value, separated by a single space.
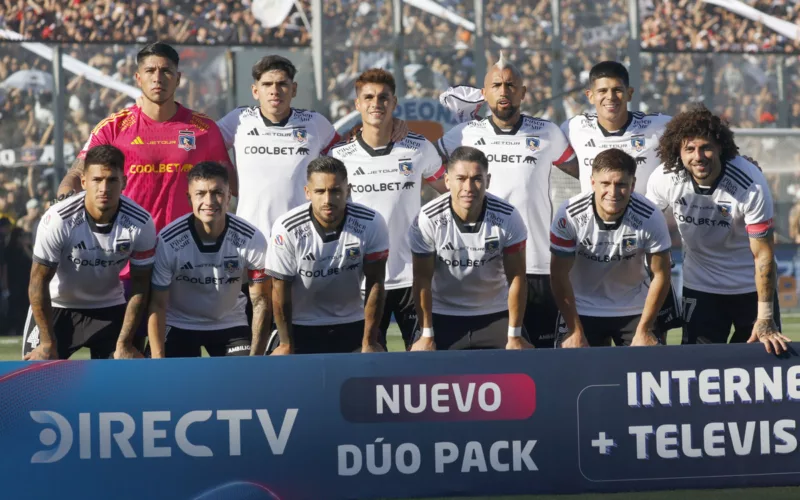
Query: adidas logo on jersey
pixel 480 142
pixel 80 246
pixel 449 246
pixel 187 266
pixel 310 256
pixel 681 202
pixel 138 140
pixel 586 242
pixel 253 132
pixel 590 144
pixel 359 171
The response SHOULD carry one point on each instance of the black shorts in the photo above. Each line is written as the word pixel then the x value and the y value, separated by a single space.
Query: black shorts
pixel 399 302
pixel 600 331
pixel 182 343
pixel 454 333
pixel 669 316
pixel 708 317
pixel 74 329
pixel 327 339
pixel 541 311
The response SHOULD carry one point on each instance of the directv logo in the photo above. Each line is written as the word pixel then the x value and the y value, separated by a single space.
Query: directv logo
pixel 359 171
pixel 253 132
pixel 310 256
pixel 80 246
pixel 187 266
pixel 449 246
pixel 147 434
pixel 590 144
pixel 480 142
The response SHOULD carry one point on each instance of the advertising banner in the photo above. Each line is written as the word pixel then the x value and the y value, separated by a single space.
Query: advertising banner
pixel 401 425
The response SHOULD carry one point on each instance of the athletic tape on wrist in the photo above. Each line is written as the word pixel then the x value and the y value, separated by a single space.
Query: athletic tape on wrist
pixel 766 310
pixel 515 331
pixel 427 332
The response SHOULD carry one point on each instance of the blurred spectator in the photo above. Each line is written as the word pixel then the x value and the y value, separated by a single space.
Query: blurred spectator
pixel 30 221
pixel 18 260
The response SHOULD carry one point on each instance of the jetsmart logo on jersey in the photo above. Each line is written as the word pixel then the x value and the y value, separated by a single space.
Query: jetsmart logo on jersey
pixel 438 398
pixel 158 434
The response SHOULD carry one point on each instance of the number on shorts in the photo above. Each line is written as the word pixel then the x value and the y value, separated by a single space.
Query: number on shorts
pixel 688 309
pixel 33 338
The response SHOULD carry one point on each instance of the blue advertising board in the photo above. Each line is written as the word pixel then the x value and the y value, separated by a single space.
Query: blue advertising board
pixel 400 425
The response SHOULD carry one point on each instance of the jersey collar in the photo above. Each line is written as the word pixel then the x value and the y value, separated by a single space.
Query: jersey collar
pixel 373 152
pixel 281 123
pixel 461 225
pixel 93 224
pixel 601 224
pixel 710 190
pixel 514 129
pixel 324 235
pixel 199 243
pixel 618 133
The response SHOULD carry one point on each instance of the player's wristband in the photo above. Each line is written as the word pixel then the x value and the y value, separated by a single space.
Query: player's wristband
pixel 515 331
pixel 766 310
pixel 427 333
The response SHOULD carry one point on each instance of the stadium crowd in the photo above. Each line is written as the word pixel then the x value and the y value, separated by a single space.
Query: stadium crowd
pixel 438 55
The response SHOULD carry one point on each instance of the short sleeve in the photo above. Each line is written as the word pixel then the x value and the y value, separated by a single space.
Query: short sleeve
pixel 144 247
pixel 563 237
pixel 217 150
pixel 449 142
pixel 565 129
pixel 759 209
pixel 421 236
pixel 257 258
pixel 515 234
pixel 560 145
pixel 432 166
pixel 657 238
pixel 281 259
pixel 377 245
pixel 163 265
pixel 228 125
pixel 102 134
pixel 327 134
pixel 50 239
pixel 657 189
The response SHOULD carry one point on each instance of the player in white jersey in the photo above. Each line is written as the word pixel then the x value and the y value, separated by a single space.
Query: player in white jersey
pixel 724 212
pixel 613 126
pixel 600 240
pixel 319 254
pixel 386 176
pixel 521 150
pixel 469 264
pixel 201 261
pixel 82 244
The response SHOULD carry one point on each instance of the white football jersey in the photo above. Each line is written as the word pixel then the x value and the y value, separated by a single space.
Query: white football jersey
pixel 89 257
pixel 389 180
pixel 468 277
pixel 716 224
pixel 609 277
pixel 205 280
pixel 271 159
pixel 520 161
pixel 639 138
pixel 330 265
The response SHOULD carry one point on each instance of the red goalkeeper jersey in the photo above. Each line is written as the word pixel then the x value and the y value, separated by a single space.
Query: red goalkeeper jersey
pixel 158 156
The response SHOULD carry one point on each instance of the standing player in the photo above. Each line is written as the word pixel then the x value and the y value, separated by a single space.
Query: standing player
pixel 469 264
pixel 331 246
pixel 613 126
pixel 201 261
pixel 161 140
pixel 387 176
pixel 521 151
pixel 600 240
pixel 81 245
pixel 724 211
